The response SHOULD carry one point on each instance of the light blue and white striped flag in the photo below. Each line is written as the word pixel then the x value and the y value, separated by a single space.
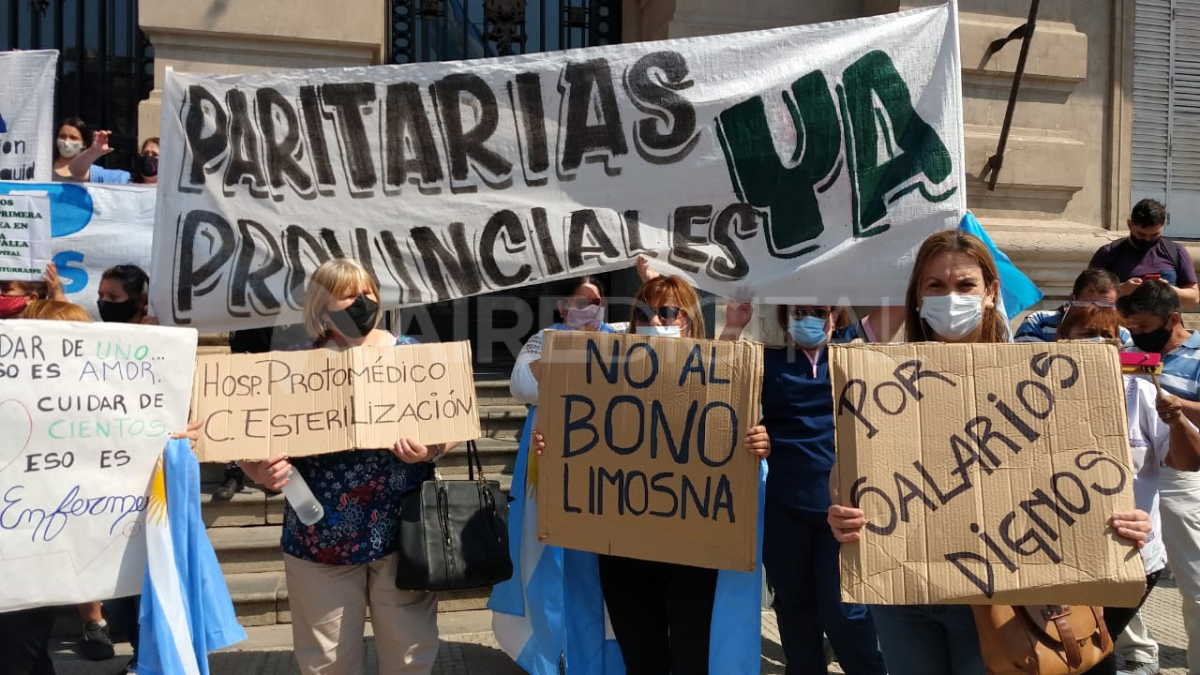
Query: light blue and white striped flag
pixel 186 610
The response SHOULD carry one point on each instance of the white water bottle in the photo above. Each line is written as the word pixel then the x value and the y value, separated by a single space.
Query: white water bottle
pixel 302 499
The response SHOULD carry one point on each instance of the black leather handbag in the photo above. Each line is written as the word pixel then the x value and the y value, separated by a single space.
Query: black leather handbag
pixel 453 534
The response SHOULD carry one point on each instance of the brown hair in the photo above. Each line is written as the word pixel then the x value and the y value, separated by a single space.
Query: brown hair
pixel 148 141
pixel 54 310
pixel 661 291
pixel 27 288
pixel 1106 321
pixel 993 325
pixel 841 315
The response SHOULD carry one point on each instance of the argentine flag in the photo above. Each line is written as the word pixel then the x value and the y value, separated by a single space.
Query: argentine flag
pixel 1017 291
pixel 527 610
pixel 186 609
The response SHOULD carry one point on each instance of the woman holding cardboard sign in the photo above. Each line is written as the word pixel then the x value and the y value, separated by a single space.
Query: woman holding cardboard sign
pixel 1159 435
pixel 951 297
pixel 664 615
pixel 346 562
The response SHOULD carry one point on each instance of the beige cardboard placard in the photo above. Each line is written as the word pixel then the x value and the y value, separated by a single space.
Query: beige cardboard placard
pixel 318 401
pixel 645 447
pixel 987 474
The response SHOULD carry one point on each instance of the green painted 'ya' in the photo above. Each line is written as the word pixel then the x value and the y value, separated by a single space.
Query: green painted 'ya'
pixel 870 132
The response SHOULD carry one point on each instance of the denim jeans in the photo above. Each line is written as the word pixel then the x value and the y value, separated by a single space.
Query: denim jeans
pixel 928 639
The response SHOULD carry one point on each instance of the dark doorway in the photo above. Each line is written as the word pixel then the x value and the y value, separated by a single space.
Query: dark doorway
pixel 105 63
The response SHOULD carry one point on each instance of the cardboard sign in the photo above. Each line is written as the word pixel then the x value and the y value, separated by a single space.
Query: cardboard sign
pixel 645 447
pixel 987 474
pixel 86 410
pixel 319 401
pixel 725 159
pixel 24 236
pixel 27 129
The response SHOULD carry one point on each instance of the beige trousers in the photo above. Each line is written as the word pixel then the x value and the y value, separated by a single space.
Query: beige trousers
pixel 329 606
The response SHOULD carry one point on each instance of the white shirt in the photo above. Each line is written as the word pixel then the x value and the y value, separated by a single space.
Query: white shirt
pixel 1149 441
pixel 521 383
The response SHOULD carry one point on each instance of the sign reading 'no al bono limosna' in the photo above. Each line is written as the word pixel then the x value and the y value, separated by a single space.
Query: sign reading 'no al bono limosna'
pixel 645 447
pixel 742 162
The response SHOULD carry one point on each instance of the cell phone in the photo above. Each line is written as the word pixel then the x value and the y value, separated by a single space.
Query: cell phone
pixel 123 143
pixel 1148 277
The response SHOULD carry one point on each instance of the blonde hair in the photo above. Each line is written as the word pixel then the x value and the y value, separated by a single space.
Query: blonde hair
pixel 661 291
pixel 333 279
pixel 54 310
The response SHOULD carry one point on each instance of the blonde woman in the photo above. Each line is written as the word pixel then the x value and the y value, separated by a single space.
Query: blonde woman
pixel 346 562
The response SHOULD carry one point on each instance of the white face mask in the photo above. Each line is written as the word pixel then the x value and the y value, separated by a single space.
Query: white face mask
pixel 661 331
pixel 69 149
pixel 953 316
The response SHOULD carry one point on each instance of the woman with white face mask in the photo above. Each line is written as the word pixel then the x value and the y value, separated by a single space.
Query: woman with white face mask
pixel 77 148
pixel 660 613
pixel 951 298
pixel 71 140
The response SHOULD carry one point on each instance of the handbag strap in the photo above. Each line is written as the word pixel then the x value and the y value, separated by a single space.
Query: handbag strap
pixel 1058 614
pixel 474 463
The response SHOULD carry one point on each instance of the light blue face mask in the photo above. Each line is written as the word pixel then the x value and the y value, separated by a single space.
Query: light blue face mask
pixel 808 332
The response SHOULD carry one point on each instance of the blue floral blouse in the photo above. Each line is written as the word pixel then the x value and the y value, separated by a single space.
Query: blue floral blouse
pixel 360 491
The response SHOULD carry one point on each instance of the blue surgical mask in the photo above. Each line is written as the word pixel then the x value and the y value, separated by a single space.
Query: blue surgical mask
pixel 661 331
pixel 808 332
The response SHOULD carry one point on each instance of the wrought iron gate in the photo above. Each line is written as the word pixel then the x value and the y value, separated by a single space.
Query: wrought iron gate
pixel 447 30
pixel 105 63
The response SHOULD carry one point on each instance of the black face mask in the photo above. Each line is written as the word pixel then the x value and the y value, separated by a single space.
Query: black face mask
pixel 1141 244
pixel 147 166
pixel 117 312
pixel 358 319
pixel 1154 341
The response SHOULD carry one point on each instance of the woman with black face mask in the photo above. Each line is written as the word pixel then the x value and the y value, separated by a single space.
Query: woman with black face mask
pixel 346 562
pixel 122 297
pixel 145 165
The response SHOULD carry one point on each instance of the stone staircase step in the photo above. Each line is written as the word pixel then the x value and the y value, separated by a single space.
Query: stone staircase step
pixel 259 598
pixel 242 550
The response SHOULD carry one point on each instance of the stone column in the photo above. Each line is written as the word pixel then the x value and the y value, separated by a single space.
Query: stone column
pixel 239 36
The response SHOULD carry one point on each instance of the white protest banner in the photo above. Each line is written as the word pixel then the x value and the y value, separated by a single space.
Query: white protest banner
pixel 747 163
pixel 94 227
pixel 24 236
pixel 86 412
pixel 27 114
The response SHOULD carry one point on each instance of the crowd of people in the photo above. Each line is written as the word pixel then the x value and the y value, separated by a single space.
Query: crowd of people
pixel 661 614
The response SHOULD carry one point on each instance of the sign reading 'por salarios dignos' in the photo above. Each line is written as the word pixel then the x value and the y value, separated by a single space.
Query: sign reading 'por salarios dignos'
pixel 742 162
pixel 987 473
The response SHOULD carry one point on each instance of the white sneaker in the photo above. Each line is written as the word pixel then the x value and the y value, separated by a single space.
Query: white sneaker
pixel 1135 668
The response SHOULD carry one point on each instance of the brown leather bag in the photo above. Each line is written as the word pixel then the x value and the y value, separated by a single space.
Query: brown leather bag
pixel 1041 639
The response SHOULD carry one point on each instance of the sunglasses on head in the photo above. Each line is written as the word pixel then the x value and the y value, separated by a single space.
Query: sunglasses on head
pixel 1108 304
pixel 815 312
pixel 667 313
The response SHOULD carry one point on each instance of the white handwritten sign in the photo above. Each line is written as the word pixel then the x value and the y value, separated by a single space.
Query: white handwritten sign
pixel 24 236
pixel 85 411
